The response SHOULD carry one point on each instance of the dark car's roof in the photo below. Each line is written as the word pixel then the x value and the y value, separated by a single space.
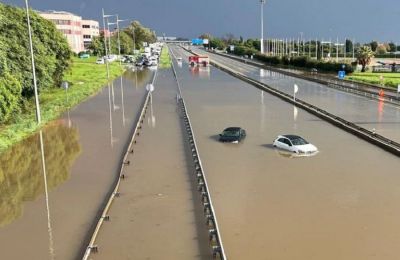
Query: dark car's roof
pixel 232 129
pixel 292 137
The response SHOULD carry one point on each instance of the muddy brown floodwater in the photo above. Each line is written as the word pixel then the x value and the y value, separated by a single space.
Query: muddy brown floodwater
pixel 82 154
pixel 343 203
pixel 376 115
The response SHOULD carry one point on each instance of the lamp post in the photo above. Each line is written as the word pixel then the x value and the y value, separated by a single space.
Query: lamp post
pixel 108 74
pixel 38 117
pixel 262 26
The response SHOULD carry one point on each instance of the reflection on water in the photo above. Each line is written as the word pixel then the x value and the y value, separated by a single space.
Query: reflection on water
pixel 21 175
pixel 138 77
pixel 200 71
pixel 152 119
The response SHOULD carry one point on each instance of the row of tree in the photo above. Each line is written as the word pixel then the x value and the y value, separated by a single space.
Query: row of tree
pixel 52 57
pixel 131 37
pixel 363 52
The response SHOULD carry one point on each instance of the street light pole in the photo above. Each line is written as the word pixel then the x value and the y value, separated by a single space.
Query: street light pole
pixel 38 117
pixel 262 26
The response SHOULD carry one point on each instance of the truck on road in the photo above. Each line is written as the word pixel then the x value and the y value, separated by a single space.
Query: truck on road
pixel 199 61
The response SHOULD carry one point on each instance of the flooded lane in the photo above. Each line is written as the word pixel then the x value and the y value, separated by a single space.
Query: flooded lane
pixel 82 152
pixel 371 114
pixel 342 203
pixel 159 213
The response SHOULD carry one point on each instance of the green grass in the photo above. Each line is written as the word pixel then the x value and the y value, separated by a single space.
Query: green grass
pixel 85 79
pixel 165 59
pixel 389 79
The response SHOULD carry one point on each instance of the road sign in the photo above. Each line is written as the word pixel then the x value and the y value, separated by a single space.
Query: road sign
pixel 341 74
pixel 398 88
pixel 231 47
pixel 150 87
pixel 296 88
pixel 64 85
pixel 197 41
pixel 205 41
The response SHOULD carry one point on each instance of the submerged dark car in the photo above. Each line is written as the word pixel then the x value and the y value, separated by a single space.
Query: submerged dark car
pixel 232 135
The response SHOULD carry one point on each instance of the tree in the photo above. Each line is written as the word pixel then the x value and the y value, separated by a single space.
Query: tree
pixel 374 45
pixel 51 50
pixel 392 47
pixel 205 36
pixel 217 43
pixel 10 94
pixel 381 49
pixel 349 45
pixel 97 45
pixel 142 34
pixel 364 56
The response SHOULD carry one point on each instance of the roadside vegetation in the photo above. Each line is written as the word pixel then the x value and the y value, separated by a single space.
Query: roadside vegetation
pixel 55 63
pixel 52 58
pixel 85 79
pixel 389 79
pixel 365 53
pixel 165 59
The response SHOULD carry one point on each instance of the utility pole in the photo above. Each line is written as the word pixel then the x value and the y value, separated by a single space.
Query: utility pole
pixel 262 26
pixel 38 117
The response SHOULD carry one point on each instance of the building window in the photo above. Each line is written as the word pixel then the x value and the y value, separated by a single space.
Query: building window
pixel 86 26
pixel 64 31
pixel 87 37
pixel 62 22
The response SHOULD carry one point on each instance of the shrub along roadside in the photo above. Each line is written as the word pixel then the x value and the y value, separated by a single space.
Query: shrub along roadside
pixel 300 62
pixel 85 77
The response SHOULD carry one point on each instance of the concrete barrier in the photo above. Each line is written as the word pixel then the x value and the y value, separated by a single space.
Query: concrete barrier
pixel 202 186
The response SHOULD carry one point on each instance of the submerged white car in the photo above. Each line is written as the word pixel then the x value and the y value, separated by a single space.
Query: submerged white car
pixel 295 144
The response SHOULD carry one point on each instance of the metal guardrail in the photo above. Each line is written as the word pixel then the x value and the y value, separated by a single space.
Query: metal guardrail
pixel 372 137
pixel 336 84
pixel 92 247
pixel 202 186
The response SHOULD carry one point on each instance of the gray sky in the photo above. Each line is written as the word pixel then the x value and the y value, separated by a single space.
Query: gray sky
pixel 364 20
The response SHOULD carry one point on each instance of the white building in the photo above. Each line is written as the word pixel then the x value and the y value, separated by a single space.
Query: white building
pixel 79 33
pixel 90 29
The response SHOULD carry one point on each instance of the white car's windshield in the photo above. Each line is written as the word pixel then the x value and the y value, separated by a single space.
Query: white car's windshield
pixel 299 141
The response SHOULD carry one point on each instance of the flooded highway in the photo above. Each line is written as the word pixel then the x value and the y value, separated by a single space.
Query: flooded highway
pixel 342 203
pixel 371 114
pixel 48 214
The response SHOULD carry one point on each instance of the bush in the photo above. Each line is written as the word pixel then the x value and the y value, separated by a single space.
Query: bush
pixel 51 50
pixel 10 93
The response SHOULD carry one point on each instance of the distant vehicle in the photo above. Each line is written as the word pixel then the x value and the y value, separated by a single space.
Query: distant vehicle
pixel 232 135
pixel 100 61
pixel 140 62
pixel 314 71
pixel 110 58
pixel 179 59
pixel 295 144
pixel 84 56
pixel 199 60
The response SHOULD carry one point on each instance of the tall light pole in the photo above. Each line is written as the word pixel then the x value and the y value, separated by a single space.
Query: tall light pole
pixel 38 117
pixel 262 26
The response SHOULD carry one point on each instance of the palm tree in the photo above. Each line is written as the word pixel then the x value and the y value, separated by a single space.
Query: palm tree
pixel 364 56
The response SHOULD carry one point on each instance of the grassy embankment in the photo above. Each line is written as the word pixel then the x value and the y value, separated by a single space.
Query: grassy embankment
pixel 85 79
pixel 389 79
pixel 165 59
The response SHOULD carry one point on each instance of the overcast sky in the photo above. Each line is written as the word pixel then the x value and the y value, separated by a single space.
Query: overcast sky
pixel 364 20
